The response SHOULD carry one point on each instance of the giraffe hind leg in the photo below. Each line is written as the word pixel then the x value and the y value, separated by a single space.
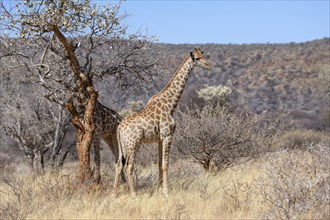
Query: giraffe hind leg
pixel 112 142
pixel 160 160
pixel 129 169
pixel 119 169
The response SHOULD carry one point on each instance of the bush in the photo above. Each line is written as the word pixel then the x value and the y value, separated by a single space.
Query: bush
pixel 302 139
pixel 215 95
pixel 23 195
pixel 218 137
pixel 297 184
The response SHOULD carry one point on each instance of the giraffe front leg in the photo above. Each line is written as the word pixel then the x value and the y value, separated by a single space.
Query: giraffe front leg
pixel 166 142
pixel 119 170
pixel 97 159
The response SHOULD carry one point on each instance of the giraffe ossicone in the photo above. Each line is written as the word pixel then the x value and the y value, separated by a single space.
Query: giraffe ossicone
pixel 155 124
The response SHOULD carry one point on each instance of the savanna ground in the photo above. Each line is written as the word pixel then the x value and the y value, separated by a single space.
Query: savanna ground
pixel 288 183
pixel 264 170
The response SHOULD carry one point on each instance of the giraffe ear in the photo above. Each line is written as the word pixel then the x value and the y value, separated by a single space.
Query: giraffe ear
pixel 202 52
pixel 192 56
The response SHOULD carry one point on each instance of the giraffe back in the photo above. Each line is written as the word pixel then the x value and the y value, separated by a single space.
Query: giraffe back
pixel 106 120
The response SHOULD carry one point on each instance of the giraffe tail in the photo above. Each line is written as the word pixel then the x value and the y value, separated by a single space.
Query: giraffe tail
pixel 121 160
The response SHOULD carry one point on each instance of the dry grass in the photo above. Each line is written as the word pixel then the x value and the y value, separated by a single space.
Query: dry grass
pixel 194 194
pixel 302 139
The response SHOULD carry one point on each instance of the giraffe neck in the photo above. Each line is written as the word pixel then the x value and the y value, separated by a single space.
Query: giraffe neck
pixel 174 88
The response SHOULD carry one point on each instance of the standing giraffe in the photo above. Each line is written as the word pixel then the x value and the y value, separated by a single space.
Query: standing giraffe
pixel 155 123
pixel 106 122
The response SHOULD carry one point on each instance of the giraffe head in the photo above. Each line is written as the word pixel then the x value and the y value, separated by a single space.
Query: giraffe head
pixel 199 59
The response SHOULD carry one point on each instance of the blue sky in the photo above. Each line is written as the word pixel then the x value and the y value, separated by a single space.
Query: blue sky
pixel 230 21
pixel 218 21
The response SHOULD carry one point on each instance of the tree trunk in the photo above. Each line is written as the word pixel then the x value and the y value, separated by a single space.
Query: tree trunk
pixel 38 162
pixel 85 133
pixel 87 139
pixel 61 161
pixel 84 86
pixel 30 160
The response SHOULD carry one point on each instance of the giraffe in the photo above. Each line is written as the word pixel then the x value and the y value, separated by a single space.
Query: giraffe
pixel 106 122
pixel 155 123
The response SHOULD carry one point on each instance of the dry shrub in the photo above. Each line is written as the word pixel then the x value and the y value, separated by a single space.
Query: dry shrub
pixel 16 199
pixel 176 210
pixel 301 139
pixel 238 196
pixel 297 184
pixel 23 195
pixel 218 137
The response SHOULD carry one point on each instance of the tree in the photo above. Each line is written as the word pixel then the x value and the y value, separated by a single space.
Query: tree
pixel 34 124
pixel 215 95
pixel 63 45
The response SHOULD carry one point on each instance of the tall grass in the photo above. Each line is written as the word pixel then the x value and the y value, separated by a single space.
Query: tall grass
pixel 280 185
pixel 194 195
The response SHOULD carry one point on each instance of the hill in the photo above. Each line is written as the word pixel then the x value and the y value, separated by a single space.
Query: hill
pixel 263 77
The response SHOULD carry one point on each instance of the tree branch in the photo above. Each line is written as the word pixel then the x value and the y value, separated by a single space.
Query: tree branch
pixel 75 116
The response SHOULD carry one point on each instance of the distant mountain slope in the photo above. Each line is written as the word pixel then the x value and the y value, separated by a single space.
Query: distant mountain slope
pixel 273 77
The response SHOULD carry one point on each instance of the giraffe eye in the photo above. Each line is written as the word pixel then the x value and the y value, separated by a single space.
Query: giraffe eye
pixel 198 58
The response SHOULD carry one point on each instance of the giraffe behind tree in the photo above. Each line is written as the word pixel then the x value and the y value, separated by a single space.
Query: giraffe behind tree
pixel 155 123
pixel 106 122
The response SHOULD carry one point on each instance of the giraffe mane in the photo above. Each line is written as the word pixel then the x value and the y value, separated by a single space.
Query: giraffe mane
pixel 175 74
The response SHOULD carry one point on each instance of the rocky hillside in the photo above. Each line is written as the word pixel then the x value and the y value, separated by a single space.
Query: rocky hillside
pixel 263 77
